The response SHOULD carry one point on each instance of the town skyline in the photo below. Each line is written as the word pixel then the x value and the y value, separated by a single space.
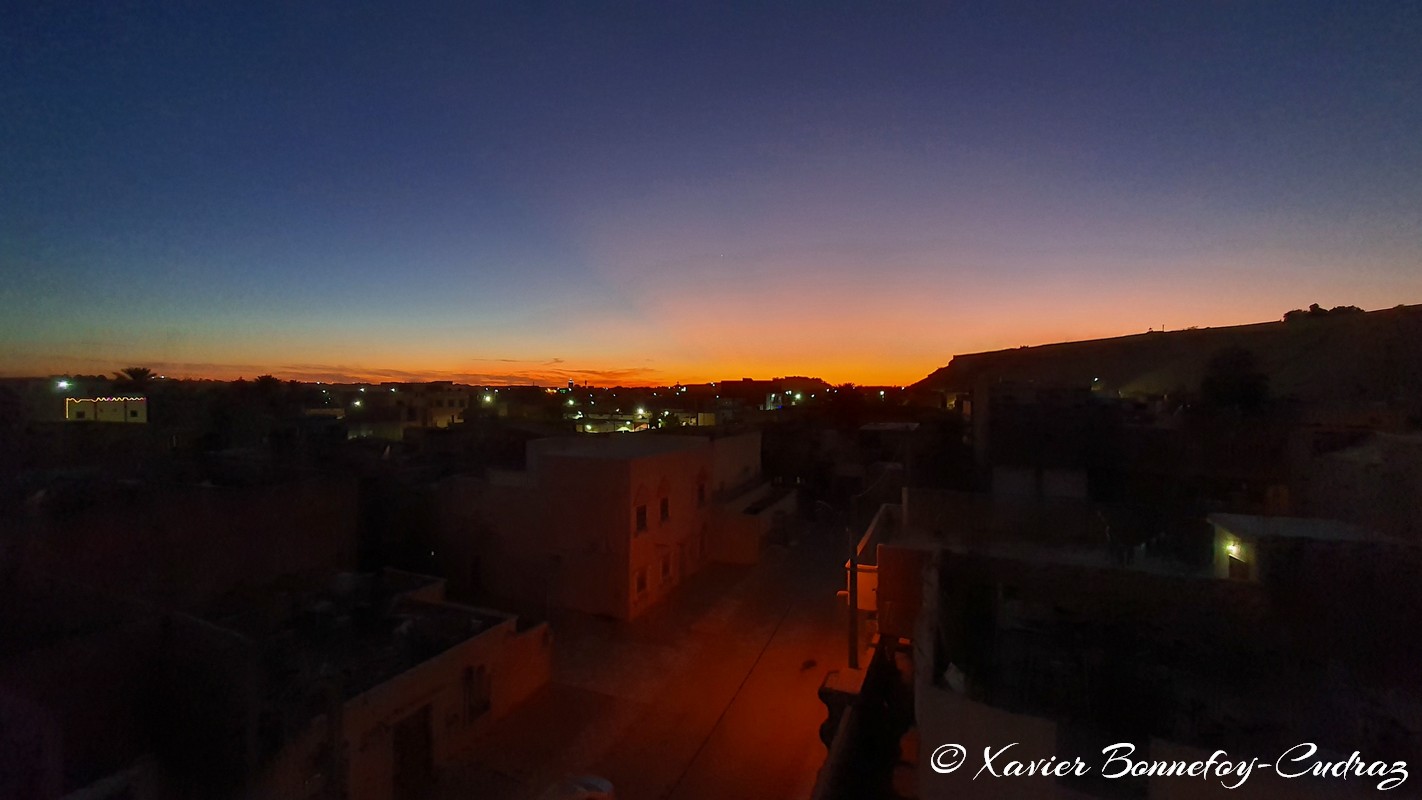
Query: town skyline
pixel 554 372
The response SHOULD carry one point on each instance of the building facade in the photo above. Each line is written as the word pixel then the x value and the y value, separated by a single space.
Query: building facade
pixel 606 525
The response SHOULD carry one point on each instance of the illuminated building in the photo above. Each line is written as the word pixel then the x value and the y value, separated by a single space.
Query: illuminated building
pixel 106 409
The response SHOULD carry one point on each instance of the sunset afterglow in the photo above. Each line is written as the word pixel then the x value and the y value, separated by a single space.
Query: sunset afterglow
pixel 635 197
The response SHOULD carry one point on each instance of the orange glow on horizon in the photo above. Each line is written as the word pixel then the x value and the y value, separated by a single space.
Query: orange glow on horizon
pixel 882 348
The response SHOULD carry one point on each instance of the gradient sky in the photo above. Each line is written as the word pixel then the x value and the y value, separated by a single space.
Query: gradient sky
pixel 658 192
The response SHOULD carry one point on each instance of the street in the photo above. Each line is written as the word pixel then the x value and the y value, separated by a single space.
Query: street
pixel 709 695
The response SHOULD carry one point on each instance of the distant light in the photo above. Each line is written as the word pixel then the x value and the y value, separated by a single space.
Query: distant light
pixel 362 388
pixel 641 412
pixel 488 398
pixel 1232 549
pixel 356 404
pixel 799 396
pixel 881 392
pixel 587 427
pixel 571 401
pixel 63 384
pixel 392 389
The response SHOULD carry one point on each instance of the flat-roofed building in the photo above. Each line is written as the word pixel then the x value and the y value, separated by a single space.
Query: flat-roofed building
pixel 603 524
pixel 106 409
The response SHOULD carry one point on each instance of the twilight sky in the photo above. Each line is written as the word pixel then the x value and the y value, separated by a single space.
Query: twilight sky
pixel 633 193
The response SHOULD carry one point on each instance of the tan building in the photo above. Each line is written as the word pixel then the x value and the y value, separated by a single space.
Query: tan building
pixel 439 404
pixel 414 692
pixel 606 525
pixel 361 689
pixel 388 410
pixel 106 409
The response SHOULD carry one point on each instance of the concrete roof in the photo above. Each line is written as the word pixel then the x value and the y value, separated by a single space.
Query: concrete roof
pixel 1251 526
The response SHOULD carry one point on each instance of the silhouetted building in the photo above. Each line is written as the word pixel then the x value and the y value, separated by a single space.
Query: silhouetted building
pixel 605 524
pixel 359 689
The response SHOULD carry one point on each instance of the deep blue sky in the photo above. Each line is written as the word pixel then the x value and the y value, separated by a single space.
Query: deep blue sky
pixel 676 191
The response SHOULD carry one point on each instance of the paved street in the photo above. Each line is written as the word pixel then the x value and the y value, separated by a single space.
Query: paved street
pixel 711 695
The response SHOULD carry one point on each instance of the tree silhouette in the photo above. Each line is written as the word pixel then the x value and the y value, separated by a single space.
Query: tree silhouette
pixel 1315 311
pixel 133 379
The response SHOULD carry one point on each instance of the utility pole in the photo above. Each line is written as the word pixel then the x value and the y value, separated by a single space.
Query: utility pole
pixel 853 596
pixel 853 590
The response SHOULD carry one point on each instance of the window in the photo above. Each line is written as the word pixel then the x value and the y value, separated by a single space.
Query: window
pixel 666 568
pixel 641 582
pixel 701 494
pixel 666 509
pixel 641 518
pixel 133 413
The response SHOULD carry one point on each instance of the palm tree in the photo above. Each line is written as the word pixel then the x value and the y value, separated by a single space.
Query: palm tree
pixel 133 379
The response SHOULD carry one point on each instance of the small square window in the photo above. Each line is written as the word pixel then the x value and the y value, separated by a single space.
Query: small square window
pixel 666 509
pixel 133 413
pixel 641 518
